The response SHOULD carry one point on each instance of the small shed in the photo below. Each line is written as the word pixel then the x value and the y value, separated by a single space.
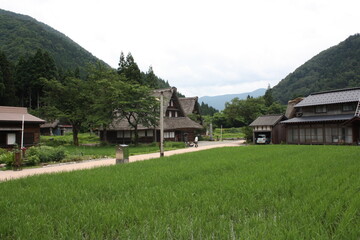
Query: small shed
pixel 269 125
pixel 55 128
pixel 11 120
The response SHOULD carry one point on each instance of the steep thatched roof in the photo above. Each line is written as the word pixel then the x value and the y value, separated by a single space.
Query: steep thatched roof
pixel 188 104
pixel 169 124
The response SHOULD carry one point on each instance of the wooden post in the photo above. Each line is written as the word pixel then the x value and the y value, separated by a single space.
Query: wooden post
pixel 161 124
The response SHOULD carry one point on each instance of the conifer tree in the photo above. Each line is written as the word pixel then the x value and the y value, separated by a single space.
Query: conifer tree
pixel 7 86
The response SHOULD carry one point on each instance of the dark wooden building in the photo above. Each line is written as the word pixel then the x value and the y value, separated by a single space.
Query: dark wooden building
pixel 271 127
pixel 330 117
pixel 11 119
pixel 177 125
pixel 55 128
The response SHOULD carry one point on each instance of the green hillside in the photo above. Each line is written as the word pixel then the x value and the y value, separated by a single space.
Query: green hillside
pixel 22 35
pixel 335 68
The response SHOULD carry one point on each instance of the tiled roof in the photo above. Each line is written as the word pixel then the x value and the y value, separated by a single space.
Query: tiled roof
pixel 15 114
pixel 325 118
pixel 267 120
pixel 331 97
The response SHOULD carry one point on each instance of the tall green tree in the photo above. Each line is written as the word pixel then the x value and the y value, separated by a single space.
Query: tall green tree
pixel 129 69
pixel 268 97
pixel 7 85
pixel 150 79
pixel 107 91
pixel 138 106
pixel 29 72
pixel 69 100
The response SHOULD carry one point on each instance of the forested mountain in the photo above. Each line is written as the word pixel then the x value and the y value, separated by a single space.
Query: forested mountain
pixel 22 36
pixel 335 68
pixel 32 53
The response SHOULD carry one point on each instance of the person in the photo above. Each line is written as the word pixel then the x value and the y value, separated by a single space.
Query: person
pixel 196 141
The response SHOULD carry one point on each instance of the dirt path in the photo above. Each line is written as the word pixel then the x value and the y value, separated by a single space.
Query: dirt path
pixel 66 167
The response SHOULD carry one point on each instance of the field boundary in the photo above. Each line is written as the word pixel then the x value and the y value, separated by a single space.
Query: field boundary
pixel 73 166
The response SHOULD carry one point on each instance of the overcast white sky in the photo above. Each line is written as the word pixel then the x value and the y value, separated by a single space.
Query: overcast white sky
pixel 202 47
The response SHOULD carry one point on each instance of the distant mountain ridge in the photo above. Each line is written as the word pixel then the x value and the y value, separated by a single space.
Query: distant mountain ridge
pixel 22 35
pixel 335 68
pixel 219 101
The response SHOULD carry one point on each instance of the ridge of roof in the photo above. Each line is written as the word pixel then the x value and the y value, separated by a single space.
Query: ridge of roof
pixel 335 90
pixel 331 97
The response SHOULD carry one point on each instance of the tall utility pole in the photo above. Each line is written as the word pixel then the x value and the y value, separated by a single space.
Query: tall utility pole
pixel 161 124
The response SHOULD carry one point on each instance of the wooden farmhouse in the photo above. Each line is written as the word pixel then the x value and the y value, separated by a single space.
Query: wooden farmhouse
pixel 11 119
pixel 177 125
pixel 269 125
pixel 54 128
pixel 330 117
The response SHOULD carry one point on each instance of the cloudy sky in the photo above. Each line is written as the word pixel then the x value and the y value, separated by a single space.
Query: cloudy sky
pixel 203 47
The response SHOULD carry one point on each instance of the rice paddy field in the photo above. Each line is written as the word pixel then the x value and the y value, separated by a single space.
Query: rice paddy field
pixel 252 192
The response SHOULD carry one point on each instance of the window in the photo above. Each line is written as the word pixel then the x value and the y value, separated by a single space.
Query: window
pixel 11 139
pixel 320 109
pixel 149 133
pixel 141 133
pixel 119 134
pixel 347 107
pixel 127 134
pixel 169 134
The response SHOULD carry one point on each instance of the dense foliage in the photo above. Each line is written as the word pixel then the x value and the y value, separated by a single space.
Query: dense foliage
pixel 254 192
pixel 207 110
pixel 335 68
pixel 239 113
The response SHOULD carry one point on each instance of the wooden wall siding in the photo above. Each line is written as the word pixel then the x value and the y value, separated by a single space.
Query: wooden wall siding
pixel 179 136
pixel 31 134
pixel 333 109
pixel 278 134
pixel 321 134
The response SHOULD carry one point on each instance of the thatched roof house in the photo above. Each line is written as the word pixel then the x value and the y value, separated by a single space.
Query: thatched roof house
pixel 177 125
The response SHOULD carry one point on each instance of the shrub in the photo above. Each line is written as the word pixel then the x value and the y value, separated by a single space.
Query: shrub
pixel 32 160
pixel 2 151
pixel 248 131
pixel 7 158
pixel 46 154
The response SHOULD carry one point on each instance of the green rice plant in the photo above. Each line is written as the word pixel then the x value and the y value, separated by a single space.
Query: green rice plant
pixel 252 192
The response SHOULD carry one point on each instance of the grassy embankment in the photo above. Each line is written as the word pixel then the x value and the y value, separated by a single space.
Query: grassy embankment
pixel 254 192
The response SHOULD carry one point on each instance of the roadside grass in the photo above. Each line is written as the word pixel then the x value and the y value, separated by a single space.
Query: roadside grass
pixel 91 147
pixel 109 150
pixel 253 192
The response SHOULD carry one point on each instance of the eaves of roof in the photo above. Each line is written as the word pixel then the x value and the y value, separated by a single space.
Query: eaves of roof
pixel 312 119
